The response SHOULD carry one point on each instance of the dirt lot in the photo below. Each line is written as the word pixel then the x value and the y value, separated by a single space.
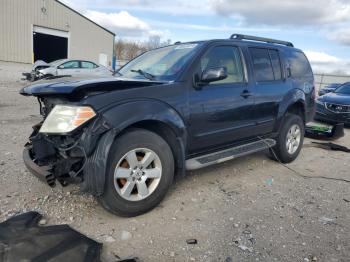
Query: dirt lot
pixel 249 209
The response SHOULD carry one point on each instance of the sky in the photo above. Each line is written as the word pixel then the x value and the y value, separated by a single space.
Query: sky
pixel 321 28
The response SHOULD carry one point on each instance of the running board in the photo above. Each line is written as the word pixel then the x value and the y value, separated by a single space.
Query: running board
pixel 228 154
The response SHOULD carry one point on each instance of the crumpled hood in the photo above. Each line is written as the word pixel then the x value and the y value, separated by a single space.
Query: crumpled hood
pixel 68 85
pixel 335 98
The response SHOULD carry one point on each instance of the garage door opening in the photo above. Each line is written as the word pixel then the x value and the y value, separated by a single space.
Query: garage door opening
pixel 49 45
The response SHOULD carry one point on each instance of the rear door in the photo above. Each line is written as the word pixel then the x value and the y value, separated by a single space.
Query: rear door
pixel 220 112
pixel 269 86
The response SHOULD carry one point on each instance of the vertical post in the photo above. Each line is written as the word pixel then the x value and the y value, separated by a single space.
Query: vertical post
pixel 113 56
pixel 321 82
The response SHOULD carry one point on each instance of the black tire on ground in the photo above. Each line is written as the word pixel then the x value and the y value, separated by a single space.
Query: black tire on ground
pixel 132 139
pixel 280 149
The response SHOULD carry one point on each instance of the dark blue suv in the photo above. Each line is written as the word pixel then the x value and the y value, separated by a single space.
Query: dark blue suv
pixel 172 109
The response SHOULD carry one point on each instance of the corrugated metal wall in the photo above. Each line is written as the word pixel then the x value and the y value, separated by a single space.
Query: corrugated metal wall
pixel 17 18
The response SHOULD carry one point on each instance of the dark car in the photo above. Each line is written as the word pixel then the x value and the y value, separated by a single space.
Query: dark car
pixel 334 107
pixel 329 88
pixel 172 109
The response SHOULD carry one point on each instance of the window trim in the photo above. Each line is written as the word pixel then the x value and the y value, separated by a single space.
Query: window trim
pixel 280 63
pixel 242 59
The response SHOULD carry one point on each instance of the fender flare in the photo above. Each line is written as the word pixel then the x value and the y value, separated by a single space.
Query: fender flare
pixel 297 96
pixel 127 114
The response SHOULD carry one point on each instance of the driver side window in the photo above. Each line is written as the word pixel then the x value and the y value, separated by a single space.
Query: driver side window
pixel 224 56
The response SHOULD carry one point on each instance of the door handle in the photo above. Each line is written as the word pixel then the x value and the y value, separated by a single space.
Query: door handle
pixel 246 94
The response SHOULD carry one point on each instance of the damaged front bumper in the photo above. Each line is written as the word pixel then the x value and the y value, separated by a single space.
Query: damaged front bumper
pixel 76 158
pixel 44 173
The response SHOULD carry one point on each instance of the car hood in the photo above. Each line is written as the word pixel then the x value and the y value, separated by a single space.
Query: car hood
pixel 40 63
pixel 69 85
pixel 335 98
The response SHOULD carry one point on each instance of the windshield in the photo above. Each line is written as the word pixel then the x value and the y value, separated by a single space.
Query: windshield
pixel 160 64
pixel 344 89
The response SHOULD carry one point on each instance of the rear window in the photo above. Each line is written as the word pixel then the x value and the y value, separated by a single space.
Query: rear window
pixel 88 65
pixel 266 64
pixel 299 65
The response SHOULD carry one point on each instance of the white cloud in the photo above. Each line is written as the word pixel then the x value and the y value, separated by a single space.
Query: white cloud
pixel 121 22
pixel 332 16
pixel 286 12
pixel 341 35
pixel 322 62
pixel 175 7
pixel 221 28
pixel 321 57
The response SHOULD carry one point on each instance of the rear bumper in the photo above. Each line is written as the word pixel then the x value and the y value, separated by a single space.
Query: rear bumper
pixel 42 172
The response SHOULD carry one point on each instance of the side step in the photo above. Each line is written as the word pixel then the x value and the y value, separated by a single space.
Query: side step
pixel 228 154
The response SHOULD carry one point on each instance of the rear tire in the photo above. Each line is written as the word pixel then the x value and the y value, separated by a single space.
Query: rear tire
pixel 125 191
pixel 290 139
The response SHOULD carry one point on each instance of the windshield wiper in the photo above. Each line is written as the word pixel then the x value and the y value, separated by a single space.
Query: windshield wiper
pixel 144 74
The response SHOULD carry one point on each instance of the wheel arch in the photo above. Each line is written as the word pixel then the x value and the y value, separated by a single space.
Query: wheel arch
pixel 170 135
pixel 297 108
pixel 293 103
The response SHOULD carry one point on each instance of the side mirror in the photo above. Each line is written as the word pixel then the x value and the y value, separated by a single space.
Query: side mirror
pixel 214 74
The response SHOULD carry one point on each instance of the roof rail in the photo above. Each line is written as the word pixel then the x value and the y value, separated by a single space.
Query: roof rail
pixel 260 39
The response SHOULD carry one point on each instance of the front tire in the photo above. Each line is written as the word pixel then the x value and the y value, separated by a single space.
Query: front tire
pixel 290 139
pixel 139 173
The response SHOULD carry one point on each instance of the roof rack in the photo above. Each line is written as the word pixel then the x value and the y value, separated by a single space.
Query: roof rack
pixel 260 39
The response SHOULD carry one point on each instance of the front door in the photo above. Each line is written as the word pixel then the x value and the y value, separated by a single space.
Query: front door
pixel 220 112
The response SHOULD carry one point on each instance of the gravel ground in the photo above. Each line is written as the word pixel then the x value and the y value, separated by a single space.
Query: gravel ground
pixel 248 209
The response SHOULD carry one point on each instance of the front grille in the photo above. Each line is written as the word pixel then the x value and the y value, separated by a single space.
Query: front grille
pixel 338 108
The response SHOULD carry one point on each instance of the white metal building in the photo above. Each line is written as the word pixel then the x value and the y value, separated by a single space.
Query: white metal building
pixel 48 30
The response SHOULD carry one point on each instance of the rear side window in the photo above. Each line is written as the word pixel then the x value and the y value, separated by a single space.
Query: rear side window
pixel 88 65
pixel 299 65
pixel 276 64
pixel 262 64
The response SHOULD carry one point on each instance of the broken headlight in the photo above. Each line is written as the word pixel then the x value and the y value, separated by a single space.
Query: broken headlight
pixel 64 119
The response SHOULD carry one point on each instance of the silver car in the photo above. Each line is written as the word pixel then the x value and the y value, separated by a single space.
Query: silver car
pixel 66 67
